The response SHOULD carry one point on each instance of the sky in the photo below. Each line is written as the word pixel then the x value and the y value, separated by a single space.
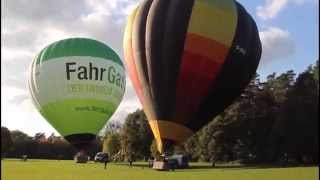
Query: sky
pixel 288 29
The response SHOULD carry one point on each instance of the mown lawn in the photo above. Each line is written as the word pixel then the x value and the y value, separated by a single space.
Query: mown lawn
pixel 68 170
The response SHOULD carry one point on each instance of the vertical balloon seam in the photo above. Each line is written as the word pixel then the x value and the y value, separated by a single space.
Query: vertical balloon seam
pixel 139 38
pixel 231 63
pixel 130 62
pixel 154 41
pixel 139 55
pixel 154 126
pixel 147 98
pixel 164 16
pixel 144 82
pixel 197 12
pixel 167 17
pixel 175 32
pixel 207 107
pixel 153 34
pixel 174 35
pixel 164 49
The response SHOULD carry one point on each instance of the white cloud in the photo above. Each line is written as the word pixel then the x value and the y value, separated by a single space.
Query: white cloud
pixel 27 27
pixel 22 116
pixel 276 44
pixel 271 8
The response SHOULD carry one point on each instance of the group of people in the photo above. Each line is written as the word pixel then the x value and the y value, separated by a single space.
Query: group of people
pixel 130 160
pixel 106 160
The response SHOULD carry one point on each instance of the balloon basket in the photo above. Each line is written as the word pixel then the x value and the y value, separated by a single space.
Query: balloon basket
pixel 81 157
pixel 161 165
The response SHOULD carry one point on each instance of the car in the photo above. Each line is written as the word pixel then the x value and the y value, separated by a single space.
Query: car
pixel 173 163
pixel 101 157
pixel 179 161
pixel 81 158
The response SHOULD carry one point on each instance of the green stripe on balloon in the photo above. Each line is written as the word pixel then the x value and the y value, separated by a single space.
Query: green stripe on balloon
pixel 78 47
pixel 78 116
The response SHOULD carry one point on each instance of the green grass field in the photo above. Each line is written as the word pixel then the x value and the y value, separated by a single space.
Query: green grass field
pixel 68 170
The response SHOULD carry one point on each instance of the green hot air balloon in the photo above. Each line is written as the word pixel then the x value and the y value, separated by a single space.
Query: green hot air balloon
pixel 188 60
pixel 77 84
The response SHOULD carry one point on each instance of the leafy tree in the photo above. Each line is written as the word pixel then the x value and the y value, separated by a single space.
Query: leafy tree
pixel 112 144
pixel 22 144
pixel 302 118
pixel 136 136
pixel 6 141
pixel 40 137
pixel 314 71
pixel 282 85
pixel 192 147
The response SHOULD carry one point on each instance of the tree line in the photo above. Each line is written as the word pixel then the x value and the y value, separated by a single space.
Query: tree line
pixel 275 121
pixel 15 144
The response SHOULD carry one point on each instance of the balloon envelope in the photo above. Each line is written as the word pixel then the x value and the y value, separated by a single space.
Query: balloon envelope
pixel 77 84
pixel 188 60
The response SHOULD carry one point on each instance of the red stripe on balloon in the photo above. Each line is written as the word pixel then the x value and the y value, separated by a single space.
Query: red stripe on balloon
pixel 132 71
pixel 197 73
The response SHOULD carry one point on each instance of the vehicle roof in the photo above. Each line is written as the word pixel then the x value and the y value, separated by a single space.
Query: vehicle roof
pixel 177 156
pixel 99 153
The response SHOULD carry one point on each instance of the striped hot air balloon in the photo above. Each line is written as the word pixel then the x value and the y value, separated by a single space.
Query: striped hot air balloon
pixel 188 60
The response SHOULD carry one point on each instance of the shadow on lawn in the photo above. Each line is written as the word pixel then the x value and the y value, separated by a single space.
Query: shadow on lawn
pixel 218 167
pixel 141 165
pixel 238 167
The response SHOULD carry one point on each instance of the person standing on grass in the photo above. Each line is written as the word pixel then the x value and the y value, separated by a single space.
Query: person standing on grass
pixel 130 160
pixel 213 160
pixel 150 161
pixel 106 159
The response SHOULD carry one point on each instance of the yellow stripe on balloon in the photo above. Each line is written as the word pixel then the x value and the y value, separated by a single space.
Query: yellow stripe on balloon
pixel 128 47
pixel 156 133
pixel 145 99
pixel 214 19
pixel 169 130
pixel 128 30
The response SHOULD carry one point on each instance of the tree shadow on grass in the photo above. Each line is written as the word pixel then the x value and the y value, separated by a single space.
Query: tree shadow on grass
pixel 199 168
pixel 239 167
pixel 138 165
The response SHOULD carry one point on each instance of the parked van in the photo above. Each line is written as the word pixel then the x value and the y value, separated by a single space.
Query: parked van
pixel 101 157
pixel 179 160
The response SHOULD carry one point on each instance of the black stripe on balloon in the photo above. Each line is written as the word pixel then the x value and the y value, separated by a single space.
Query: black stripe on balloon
pixel 154 40
pixel 176 27
pixel 138 40
pixel 81 141
pixel 239 67
pixel 167 27
pixel 168 145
